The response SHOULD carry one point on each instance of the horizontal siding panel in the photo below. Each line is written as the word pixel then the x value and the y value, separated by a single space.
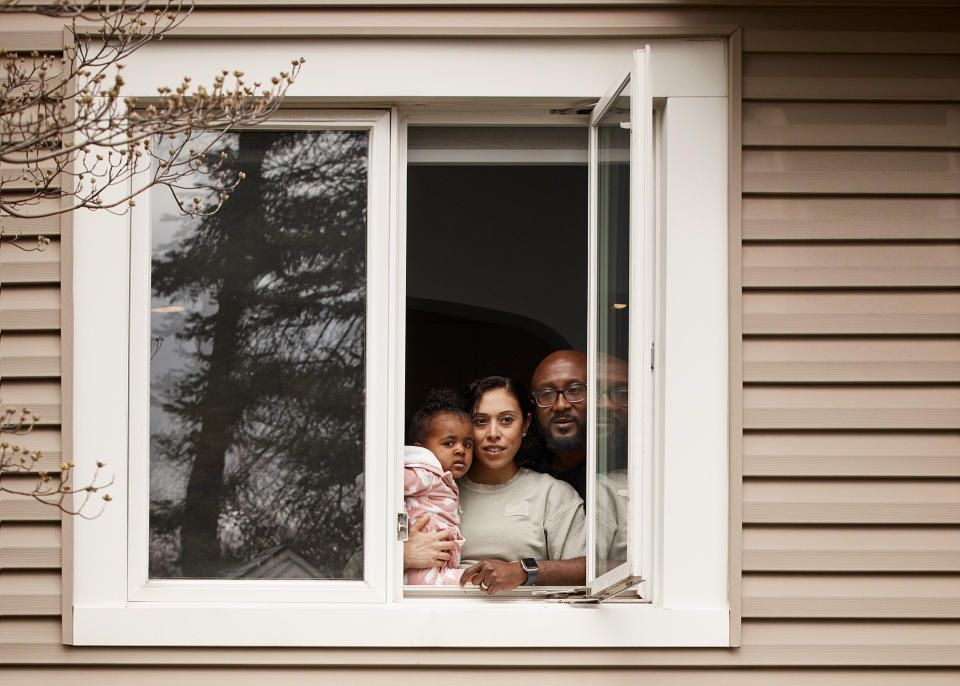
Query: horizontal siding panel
pixel 837 172
pixel 46 226
pixel 35 592
pixel 851 595
pixel 873 312
pixel 29 366
pixel 833 407
pixel 19 266
pixel 851 265
pixel 811 501
pixel 851 561
pixel 41 397
pixel 14 180
pixel 24 41
pixel 15 507
pixel 850 360
pixel 889 42
pixel 29 545
pixel 26 630
pixel 851 549
pixel 44 439
pixel 29 308
pixel 795 76
pixel 30 319
pixel 851 454
pixel 851 513
pixel 852 632
pixel 29 355
pixel 29 557
pixel 845 219
pixel 810 124
pixel 851 606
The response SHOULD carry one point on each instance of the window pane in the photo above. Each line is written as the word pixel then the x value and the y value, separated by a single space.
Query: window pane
pixel 613 308
pixel 257 366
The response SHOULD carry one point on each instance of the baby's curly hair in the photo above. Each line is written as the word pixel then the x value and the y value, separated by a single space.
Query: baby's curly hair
pixel 439 401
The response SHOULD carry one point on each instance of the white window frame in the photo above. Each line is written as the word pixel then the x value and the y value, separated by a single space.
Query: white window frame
pixel 373 587
pixel 688 551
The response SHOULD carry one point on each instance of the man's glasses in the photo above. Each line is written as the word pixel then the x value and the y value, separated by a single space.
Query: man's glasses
pixel 577 393
pixel 574 393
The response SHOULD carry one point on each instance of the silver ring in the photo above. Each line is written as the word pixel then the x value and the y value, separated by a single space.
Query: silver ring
pixel 483 586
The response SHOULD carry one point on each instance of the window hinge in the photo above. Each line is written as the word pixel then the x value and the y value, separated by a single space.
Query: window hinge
pixel 616 588
pixel 403 526
pixel 651 355
pixel 574 594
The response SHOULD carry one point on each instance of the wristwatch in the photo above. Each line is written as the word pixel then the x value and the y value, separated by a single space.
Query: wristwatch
pixel 531 567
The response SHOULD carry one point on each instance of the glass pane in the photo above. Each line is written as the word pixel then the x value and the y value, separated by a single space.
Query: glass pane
pixel 257 366
pixel 613 254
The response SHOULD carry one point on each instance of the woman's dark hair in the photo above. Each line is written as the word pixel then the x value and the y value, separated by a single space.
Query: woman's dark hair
pixel 531 448
pixel 439 401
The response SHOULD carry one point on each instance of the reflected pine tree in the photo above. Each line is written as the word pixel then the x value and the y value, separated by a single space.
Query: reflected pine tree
pixel 264 411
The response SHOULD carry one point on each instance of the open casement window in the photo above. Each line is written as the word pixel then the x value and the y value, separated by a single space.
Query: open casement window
pixel 156 305
pixel 620 332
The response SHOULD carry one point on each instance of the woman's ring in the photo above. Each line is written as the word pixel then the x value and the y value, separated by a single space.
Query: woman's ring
pixel 483 586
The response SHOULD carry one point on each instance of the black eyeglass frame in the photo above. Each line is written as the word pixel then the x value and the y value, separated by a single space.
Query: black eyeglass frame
pixel 560 391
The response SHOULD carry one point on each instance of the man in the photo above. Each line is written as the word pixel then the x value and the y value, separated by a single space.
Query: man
pixel 559 386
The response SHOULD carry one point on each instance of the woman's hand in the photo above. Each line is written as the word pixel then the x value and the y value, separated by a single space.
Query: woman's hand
pixel 424 549
pixel 494 575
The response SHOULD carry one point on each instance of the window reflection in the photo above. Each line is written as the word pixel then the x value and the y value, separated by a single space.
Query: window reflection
pixel 613 318
pixel 257 370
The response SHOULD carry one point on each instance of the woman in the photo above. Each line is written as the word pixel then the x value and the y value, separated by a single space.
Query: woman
pixel 511 513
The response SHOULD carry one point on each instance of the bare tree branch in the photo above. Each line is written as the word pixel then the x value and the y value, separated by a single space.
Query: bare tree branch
pixel 58 488
pixel 68 136
pixel 67 133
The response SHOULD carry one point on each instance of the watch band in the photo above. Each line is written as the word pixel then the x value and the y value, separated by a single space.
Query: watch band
pixel 531 567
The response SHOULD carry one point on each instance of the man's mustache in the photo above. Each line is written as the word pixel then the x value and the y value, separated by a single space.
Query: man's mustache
pixel 611 416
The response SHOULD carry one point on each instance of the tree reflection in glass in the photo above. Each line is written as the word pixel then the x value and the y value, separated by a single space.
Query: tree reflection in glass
pixel 257 373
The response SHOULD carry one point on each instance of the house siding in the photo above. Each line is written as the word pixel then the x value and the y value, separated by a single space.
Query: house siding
pixel 850 354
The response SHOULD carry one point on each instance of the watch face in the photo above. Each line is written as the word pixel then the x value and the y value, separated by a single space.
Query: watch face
pixel 529 564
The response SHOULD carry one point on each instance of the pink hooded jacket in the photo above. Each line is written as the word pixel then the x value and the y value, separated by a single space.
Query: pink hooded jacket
pixel 427 489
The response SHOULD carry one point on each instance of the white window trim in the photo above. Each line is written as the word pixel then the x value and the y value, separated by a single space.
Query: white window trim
pixel 689 598
pixel 378 306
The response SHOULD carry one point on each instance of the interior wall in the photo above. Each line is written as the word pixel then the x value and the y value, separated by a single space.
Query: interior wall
pixel 496 270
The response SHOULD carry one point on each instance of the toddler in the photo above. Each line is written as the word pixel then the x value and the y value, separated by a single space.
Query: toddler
pixel 442 450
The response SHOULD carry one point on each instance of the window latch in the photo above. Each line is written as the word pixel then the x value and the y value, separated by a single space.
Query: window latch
pixel 403 526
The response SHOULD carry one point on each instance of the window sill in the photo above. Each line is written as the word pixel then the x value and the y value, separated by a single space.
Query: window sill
pixel 420 622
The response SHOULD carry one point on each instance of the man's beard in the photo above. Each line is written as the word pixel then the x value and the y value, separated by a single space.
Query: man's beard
pixel 567 443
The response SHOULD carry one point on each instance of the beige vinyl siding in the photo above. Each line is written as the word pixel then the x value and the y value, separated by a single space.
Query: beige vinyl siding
pixel 851 376
pixel 851 352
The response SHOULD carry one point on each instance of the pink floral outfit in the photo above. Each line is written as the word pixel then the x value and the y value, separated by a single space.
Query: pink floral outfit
pixel 427 489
